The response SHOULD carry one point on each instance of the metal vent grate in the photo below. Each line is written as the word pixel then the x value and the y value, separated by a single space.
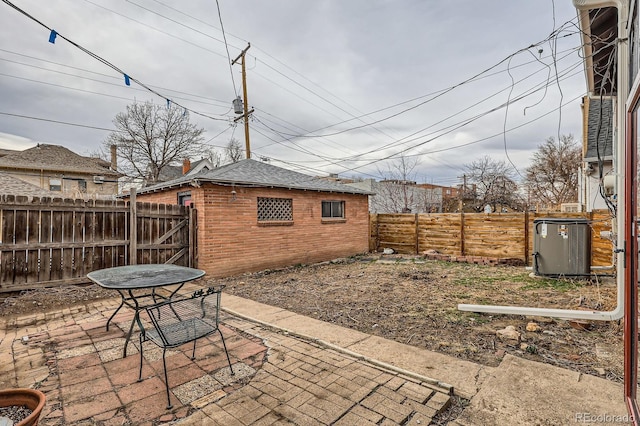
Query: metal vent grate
pixel 275 209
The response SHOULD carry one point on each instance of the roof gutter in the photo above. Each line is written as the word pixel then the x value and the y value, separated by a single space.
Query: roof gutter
pixel 197 182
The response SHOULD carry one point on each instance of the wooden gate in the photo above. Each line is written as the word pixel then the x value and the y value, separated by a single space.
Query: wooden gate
pixel 47 242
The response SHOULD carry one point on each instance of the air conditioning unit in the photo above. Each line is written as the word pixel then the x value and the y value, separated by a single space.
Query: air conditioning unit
pixel 98 179
pixel 562 247
pixel 570 207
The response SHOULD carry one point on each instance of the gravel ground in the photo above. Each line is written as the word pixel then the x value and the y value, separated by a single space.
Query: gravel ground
pixel 14 413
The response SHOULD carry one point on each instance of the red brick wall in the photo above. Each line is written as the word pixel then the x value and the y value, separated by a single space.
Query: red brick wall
pixel 231 241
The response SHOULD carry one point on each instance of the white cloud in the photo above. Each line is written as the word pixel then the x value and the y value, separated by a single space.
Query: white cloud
pixel 17 143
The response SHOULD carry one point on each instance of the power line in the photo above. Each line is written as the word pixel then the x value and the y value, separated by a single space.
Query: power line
pixel 157 29
pixel 222 102
pixel 96 81
pixel 545 86
pixel 127 77
pixel 226 46
pixel 58 122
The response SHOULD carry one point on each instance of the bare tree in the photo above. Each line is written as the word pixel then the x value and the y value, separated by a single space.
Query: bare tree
pixel 234 151
pixel 396 192
pixel 552 177
pixel 150 137
pixel 213 156
pixel 494 183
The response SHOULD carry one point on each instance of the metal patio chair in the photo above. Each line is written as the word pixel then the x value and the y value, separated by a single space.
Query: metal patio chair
pixel 179 321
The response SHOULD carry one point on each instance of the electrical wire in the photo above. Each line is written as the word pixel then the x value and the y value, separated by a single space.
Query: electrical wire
pixel 458 124
pixel 295 82
pixel 226 46
pixel 221 102
pixel 412 137
pixel 494 135
pixel 157 29
pixel 260 122
pixel 104 61
pixel 48 120
pixel 100 81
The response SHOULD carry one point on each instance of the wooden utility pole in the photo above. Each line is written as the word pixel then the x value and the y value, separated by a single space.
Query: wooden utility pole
pixel 462 193
pixel 246 113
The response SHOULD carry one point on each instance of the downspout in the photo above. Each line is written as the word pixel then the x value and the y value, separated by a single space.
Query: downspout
pixel 583 7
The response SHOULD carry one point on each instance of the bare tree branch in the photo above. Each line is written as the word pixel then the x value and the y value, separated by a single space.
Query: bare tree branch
pixel 150 137
pixel 552 178
pixel 234 151
pixel 494 183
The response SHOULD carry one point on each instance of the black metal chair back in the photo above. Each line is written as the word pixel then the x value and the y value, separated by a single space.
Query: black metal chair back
pixel 179 321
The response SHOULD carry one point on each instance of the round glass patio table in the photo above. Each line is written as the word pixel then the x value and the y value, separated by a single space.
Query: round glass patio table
pixel 137 285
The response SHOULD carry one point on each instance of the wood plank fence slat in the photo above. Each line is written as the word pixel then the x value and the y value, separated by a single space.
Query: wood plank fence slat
pixel 53 241
pixel 506 235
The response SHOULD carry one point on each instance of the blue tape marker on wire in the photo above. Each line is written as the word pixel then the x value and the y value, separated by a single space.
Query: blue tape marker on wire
pixel 52 36
pixel 126 80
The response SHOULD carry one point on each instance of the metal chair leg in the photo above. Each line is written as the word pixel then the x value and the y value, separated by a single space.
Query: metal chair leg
pixel 166 378
pixel 140 374
pixel 226 352
pixel 193 354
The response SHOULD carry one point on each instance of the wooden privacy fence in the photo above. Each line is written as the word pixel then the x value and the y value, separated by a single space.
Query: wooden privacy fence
pixel 498 235
pixel 53 241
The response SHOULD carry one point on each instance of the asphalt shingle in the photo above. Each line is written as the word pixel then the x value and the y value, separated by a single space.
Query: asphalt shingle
pixel 257 173
pixel 55 158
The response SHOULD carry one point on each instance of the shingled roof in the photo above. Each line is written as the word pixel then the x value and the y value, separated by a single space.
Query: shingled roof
pixel 55 158
pixel 258 174
pixel 599 129
pixel 173 172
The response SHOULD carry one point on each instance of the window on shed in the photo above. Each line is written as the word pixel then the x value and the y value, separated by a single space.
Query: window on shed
pixel 55 184
pixel 184 198
pixel 82 186
pixel 275 209
pixel 333 209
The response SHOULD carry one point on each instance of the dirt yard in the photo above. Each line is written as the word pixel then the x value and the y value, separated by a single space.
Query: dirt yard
pixel 414 301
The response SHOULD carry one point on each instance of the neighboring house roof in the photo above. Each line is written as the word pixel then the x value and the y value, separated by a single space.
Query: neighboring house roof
pixel 174 172
pixel 259 174
pixel 599 129
pixel 4 152
pixel 14 186
pixel 55 158
pixel 367 185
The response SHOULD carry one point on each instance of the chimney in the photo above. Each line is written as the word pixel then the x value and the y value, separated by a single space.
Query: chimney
pixel 114 157
pixel 186 166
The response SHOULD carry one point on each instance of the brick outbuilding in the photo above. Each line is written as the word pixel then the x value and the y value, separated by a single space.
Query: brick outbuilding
pixel 254 216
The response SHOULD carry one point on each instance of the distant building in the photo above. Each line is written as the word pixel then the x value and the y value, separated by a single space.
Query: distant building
pixel 187 168
pixel 395 196
pixel 62 172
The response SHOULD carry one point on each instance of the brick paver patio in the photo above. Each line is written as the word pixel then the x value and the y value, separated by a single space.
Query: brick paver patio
pixel 280 378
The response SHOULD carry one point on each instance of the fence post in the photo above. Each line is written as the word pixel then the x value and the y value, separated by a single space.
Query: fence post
pixel 417 234
pixel 133 228
pixel 192 236
pixel 526 236
pixel 461 233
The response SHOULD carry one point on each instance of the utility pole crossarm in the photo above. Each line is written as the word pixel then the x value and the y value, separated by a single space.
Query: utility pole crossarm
pixel 241 55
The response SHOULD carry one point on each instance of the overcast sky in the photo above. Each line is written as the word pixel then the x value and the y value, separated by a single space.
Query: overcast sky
pixel 337 86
